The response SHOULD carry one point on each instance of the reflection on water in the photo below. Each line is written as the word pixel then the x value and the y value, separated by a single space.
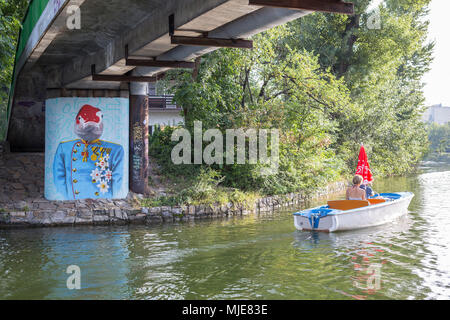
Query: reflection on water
pixel 243 258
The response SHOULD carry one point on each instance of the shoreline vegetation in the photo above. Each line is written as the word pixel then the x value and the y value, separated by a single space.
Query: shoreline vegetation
pixel 326 82
pixel 439 138
pixel 438 157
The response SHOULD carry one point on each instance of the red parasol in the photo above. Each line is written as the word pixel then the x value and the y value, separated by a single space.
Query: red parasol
pixel 363 167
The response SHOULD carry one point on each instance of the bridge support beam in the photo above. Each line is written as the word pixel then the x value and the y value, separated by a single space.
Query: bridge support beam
pixel 139 161
pixel 331 6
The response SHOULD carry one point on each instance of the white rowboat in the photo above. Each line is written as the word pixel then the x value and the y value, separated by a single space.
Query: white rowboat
pixel 343 215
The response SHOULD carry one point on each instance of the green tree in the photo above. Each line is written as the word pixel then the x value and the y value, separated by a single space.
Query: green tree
pixel 328 82
pixel 439 137
pixel 272 86
pixel 11 13
pixel 382 68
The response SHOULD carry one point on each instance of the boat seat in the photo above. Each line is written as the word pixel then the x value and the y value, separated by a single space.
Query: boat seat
pixel 376 201
pixel 347 204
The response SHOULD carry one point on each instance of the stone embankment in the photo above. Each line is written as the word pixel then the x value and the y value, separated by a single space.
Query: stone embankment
pixel 22 203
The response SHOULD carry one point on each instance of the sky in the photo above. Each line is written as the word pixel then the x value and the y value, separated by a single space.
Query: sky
pixel 437 79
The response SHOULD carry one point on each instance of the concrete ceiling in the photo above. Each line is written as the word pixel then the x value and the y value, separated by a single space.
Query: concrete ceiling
pixel 56 58
pixel 108 26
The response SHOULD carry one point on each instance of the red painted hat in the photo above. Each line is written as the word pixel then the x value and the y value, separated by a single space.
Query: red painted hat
pixel 88 113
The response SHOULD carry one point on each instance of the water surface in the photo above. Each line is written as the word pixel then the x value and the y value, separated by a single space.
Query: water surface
pixel 243 258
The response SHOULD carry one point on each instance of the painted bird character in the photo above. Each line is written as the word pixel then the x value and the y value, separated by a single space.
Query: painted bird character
pixel 89 167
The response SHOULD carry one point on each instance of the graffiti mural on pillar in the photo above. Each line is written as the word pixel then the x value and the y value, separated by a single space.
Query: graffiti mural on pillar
pixel 138 148
pixel 86 148
pixel 139 144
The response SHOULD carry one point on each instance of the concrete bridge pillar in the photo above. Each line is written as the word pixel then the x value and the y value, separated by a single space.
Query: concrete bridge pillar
pixel 139 161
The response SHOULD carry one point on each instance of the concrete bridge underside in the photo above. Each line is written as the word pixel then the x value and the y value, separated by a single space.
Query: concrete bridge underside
pixel 56 61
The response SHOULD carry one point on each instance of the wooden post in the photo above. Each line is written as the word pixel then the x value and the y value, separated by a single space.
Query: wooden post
pixel 139 138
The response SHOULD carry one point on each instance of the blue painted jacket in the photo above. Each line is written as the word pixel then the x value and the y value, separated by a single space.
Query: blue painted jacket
pixel 88 170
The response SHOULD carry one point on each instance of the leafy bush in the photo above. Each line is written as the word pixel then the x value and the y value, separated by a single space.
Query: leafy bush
pixel 204 186
pixel 439 136
pixel 11 13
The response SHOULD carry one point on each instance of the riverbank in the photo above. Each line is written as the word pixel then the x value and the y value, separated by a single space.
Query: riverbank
pixel 22 203
pixel 439 157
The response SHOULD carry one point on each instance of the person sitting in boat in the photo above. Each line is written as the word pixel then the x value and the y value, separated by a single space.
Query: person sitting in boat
pixel 365 186
pixel 355 192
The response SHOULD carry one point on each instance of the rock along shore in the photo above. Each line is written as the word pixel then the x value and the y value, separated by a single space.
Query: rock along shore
pixel 22 203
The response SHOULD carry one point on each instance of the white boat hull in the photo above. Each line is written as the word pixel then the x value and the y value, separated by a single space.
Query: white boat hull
pixel 359 218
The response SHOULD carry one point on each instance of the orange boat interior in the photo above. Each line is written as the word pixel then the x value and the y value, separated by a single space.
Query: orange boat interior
pixel 352 204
